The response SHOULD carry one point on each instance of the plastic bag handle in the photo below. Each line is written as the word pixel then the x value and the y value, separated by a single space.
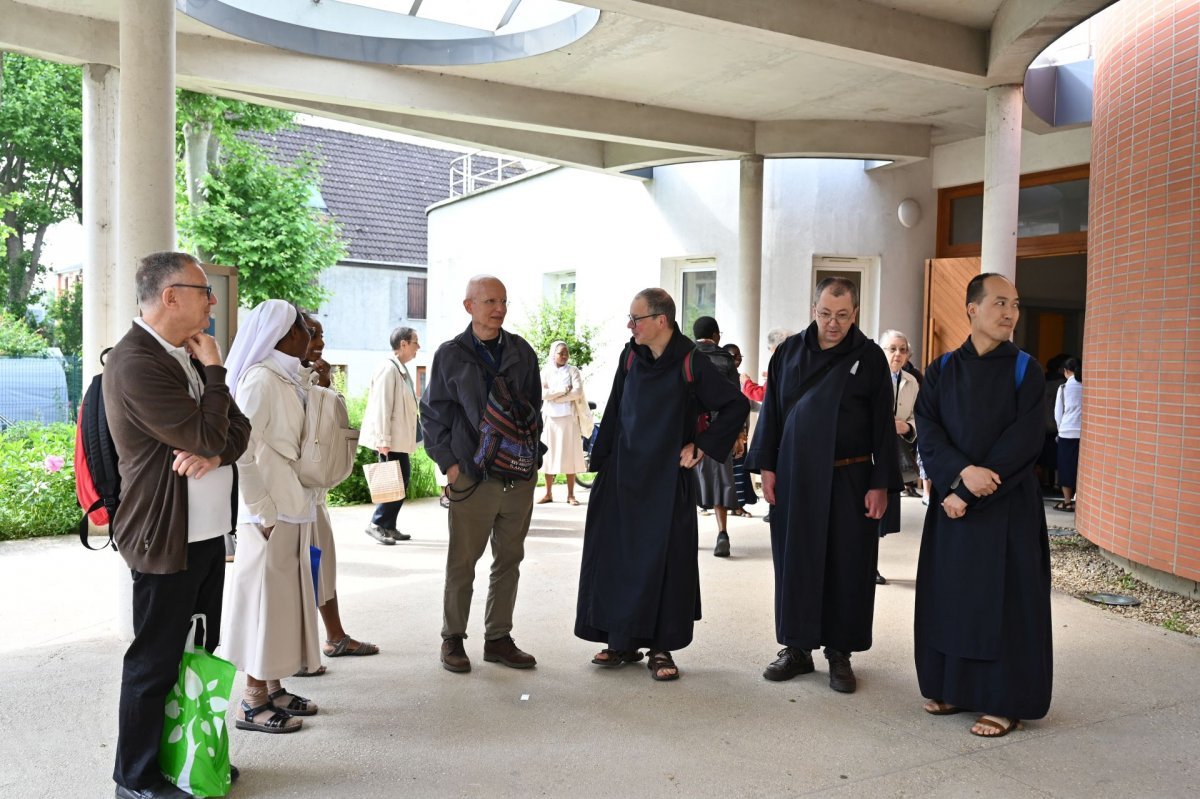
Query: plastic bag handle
pixel 190 646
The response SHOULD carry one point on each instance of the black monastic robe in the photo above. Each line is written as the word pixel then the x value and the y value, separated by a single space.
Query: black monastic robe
pixel 823 406
pixel 982 622
pixel 639 583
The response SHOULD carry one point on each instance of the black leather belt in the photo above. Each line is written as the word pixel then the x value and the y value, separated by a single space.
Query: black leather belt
pixel 849 461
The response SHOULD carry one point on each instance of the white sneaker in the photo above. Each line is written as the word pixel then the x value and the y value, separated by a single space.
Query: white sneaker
pixel 925 500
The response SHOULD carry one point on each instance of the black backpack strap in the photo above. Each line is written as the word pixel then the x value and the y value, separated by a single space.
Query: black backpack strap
pixel 83 528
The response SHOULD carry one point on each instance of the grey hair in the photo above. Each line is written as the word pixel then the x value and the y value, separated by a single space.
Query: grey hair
pixel 885 335
pixel 401 334
pixel 776 337
pixel 155 272
pixel 658 301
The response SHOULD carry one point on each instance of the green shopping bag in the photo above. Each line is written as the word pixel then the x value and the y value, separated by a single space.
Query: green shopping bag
pixel 194 750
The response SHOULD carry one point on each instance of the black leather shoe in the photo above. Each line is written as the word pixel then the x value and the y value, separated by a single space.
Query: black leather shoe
pixel 233 774
pixel 164 790
pixel 722 548
pixel 879 578
pixel 791 662
pixel 767 518
pixel 841 676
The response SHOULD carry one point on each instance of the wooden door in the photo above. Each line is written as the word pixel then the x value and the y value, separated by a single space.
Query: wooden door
pixel 946 325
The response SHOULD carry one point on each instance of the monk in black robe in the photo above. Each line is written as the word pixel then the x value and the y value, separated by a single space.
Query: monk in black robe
pixel 639 584
pixel 826 448
pixel 982 623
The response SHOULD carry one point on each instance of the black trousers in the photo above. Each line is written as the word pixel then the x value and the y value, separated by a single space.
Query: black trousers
pixel 163 605
pixel 386 512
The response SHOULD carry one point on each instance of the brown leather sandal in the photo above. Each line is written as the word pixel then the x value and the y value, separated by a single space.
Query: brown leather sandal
pixel 660 662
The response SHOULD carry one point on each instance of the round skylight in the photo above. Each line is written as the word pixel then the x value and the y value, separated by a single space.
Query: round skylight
pixel 416 32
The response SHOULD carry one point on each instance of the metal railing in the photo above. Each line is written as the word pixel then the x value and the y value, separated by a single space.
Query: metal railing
pixel 475 171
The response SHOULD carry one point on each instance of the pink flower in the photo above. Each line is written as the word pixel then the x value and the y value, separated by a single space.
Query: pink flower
pixel 53 463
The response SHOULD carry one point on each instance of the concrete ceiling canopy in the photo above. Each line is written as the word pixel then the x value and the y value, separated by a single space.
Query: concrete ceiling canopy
pixel 409 32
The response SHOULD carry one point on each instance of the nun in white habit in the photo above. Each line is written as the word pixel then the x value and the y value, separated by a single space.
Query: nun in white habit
pixel 271 624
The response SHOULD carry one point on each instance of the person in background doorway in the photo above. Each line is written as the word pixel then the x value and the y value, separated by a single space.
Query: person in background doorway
pixel 391 424
pixel 755 391
pixel 904 399
pixel 565 414
pixel 1068 416
pixel 717 489
pixel 741 477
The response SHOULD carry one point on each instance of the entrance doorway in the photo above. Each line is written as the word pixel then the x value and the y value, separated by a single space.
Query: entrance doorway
pixel 1053 290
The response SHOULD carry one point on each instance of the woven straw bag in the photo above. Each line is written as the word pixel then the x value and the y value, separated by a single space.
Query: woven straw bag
pixel 385 480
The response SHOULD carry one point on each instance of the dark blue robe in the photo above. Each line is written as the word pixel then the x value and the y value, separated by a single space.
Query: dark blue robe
pixel 639 582
pixel 822 406
pixel 982 621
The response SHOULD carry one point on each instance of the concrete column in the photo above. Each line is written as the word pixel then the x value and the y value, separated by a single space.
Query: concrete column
pixel 746 325
pixel 101 327
pixel 145 177
pixel 146 166
pixel 1001 180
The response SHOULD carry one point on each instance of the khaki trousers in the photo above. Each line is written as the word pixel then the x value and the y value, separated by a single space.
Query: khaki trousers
pixel 478 514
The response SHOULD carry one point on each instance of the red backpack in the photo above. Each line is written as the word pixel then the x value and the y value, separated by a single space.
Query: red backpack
pixel 97 479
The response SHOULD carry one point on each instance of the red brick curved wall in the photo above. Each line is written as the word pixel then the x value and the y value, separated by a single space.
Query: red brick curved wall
pixel 1140 462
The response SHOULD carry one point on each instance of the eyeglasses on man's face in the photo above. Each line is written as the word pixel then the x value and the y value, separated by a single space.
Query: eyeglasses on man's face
pixel 841 317
pixel 208 290
pixel 633 320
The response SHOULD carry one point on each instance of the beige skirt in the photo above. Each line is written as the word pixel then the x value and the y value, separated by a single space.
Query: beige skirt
pixel 564 453
pixel 327 571
pixel 270 618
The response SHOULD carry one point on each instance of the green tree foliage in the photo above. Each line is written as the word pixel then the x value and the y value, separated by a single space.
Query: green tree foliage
pixel 17 339
pixel 64 321
pixel 555 321
pixel 41 165
pixel 239 207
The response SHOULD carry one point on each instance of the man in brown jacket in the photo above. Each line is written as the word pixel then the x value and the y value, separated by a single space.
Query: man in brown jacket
pixel 177 433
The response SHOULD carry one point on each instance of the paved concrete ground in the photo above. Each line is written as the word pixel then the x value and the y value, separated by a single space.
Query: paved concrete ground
pixel 1125 719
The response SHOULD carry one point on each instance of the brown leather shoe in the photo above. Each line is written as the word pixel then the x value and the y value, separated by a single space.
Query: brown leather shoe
pixel 454 657
pixel 504 650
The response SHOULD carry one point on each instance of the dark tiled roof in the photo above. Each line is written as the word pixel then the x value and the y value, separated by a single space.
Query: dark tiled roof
pixel 376 189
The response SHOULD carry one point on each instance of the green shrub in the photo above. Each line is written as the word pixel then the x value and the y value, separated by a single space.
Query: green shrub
pixel 36 501
pixel 18 339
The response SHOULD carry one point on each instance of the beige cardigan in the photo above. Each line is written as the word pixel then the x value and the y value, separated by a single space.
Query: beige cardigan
pixel 390 419
pixel 906 402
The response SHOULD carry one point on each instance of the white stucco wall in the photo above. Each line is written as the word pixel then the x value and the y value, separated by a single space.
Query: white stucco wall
pixel 365 305
pixel 836 208
pixel 961 162
pixel 603 228
pixel 616 234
